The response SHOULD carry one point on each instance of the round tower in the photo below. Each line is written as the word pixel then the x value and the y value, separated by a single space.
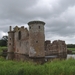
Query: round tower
pixel 10 41
pixel 36 39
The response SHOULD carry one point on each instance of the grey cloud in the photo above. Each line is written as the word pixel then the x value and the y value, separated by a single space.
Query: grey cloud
pixel 58 16
pixel 15 10
pixel 61 28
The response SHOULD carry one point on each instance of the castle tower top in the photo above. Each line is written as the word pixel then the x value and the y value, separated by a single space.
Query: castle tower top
pixel 36 22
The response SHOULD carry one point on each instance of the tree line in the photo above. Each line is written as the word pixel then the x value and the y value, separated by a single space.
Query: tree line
pixel 3 41
pixel 70 45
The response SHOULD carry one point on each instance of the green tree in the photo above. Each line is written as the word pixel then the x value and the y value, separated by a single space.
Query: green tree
pixel 70 45
pixel 3 41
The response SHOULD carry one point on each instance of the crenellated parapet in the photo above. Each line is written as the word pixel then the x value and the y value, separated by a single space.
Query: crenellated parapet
pixel 57 47
pixel 19 28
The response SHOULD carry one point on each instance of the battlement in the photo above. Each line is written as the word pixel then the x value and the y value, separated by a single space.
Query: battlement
pixel 19 28
pixel 36 22
pixel 58 42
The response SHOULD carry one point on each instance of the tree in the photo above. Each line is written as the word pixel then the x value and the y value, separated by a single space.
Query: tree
pixel 70 45
pixel 3 41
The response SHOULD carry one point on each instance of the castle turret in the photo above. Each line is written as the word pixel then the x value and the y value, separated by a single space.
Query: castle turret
pixel 10 40
pixel 36 39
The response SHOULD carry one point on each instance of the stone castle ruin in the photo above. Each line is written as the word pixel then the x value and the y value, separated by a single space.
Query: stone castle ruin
pixel 24 44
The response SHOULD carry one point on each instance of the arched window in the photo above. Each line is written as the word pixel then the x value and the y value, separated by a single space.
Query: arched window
pixel 19 35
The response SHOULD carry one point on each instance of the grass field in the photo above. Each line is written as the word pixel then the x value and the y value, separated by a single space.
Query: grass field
pixel 1 51
pixel 1 48
pixel 73 49
pixel 56 67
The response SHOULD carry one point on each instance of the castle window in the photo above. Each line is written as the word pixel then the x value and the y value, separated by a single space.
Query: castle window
pixel 36 41
pixel 9 43
pixel 10 38
pixel 30 27
pixel 19 35
pixel 39 27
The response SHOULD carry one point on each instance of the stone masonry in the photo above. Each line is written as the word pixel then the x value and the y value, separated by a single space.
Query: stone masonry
pixel 57 47
pixel 31 43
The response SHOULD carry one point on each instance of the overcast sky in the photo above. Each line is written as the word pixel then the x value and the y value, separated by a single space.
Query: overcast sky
pixel 59 16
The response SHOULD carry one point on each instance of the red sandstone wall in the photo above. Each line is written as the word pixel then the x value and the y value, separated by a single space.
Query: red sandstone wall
pixel 57 47
pixel 21 45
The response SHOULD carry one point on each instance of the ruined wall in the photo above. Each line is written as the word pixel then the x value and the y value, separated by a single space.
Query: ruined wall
pixel 36 39
pixel 50 48
pixel 57 47
pixel 21 40
pixel 23 44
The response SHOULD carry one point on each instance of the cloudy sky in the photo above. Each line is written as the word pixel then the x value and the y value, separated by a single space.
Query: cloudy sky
pixel 59 16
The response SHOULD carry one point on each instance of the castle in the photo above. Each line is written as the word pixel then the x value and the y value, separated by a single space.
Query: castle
pixel 24 44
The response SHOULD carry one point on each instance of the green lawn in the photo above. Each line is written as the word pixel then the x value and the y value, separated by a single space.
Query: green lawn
pixel 73 49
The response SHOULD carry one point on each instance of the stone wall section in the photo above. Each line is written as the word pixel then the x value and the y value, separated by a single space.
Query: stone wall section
pixel 21 40
pixel 57 47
